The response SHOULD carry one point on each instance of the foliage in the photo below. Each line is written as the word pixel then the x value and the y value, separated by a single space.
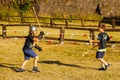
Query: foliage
pixel 3 10
pixel 84 9
pixel 22 7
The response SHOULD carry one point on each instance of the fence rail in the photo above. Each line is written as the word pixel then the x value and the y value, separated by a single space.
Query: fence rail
pixel 51 21
pixel 65 24
pixel 61 32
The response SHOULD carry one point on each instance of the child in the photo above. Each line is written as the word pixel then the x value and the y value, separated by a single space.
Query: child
pixel 101 40
pixel 28 52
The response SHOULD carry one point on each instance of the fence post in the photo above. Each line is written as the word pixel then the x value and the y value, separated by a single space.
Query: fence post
pixel 4 31
pixel 82 22
pixel 113 23
pixel 99 23
pixel 66 23
pixel 51 22
pixel 22 20
pixel 62 31
pixel 22 17
pixel 92 35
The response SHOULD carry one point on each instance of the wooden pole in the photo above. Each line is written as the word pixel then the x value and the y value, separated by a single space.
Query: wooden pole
pixel 113 23
pixel 37 18
pixel 99 23
pixel 66 23
pixel 92 35
pixel 62 31
pixel 4 31
pixel 82 22
pixel 51 22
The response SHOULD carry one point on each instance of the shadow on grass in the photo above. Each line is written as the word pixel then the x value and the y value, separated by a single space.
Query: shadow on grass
pixel 64 64
pixel 7 65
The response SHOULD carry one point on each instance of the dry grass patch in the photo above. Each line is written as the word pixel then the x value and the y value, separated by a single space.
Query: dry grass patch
pixel 57 62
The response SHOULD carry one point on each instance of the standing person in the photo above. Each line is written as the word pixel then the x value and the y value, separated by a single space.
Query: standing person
pixel 28 52
pixel 101 40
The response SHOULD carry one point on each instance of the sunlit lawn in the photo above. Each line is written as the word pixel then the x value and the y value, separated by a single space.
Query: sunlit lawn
pixel 56 61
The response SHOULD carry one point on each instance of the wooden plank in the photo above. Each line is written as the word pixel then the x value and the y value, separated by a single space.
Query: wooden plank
pixel 14 25
pixel 113 30
pixel 74 28
pixel 52 27
pixel 76 40
pixel 112 42
pixel 16 36
pixel 53 38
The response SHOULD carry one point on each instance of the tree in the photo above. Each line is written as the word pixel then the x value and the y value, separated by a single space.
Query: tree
pixel 22 5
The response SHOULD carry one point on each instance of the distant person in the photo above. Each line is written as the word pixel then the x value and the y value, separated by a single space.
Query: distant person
pixel 28 52
pixel 101 40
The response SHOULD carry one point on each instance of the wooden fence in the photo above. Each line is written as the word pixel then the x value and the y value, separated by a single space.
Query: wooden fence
pixel 51 21
pixel 61 30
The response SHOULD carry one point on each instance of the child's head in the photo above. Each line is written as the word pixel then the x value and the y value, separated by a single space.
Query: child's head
pixel 102 28
pixel 32 30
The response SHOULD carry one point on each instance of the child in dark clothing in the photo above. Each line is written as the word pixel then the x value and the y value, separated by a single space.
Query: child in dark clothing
pixel 101 40
pixel 28 52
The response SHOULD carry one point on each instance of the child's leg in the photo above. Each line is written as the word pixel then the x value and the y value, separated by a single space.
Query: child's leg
pixel 21 69
pixel 106 65
pixel 99 56
pixel 35 69
pixel 35 61
pixel 31 53
pixel 24 63
pixel 103 62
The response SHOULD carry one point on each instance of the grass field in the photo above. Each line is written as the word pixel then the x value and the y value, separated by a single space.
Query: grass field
pixel 57 62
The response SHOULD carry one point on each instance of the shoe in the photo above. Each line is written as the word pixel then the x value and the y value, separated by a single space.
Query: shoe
pixel 102 68
pixel 106 67
pixel 20 70
pixel 35 69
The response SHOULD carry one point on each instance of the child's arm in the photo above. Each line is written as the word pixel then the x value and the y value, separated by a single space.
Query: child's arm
pixel 36 39
pixel 39 37
pixel 94 41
